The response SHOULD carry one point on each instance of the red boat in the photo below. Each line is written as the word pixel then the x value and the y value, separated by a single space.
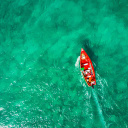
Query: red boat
pixel 87 69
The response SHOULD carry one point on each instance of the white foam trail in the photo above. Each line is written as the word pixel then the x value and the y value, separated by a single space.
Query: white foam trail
pixel 77 64
pixel 99 109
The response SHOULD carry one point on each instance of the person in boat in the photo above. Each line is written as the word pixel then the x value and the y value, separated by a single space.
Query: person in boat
pixel 88 73
pixel 93 83
pixel 83 57
pixel 84 60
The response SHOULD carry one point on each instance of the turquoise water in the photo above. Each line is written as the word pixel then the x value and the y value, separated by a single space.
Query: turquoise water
pixel 40 78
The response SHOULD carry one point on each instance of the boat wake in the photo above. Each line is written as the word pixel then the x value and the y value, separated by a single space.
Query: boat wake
pixel 100 91
pixel 77 64
pixel 99 109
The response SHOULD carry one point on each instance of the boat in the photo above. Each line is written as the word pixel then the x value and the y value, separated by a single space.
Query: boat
pixel 87 69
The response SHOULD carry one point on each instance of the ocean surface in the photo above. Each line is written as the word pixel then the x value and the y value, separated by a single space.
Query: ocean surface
pixel 41 85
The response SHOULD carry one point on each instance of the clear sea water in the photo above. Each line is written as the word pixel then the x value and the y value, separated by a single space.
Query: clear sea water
pixel 41 85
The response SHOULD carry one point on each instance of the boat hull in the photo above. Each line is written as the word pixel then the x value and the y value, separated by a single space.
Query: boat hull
pixel 87 69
